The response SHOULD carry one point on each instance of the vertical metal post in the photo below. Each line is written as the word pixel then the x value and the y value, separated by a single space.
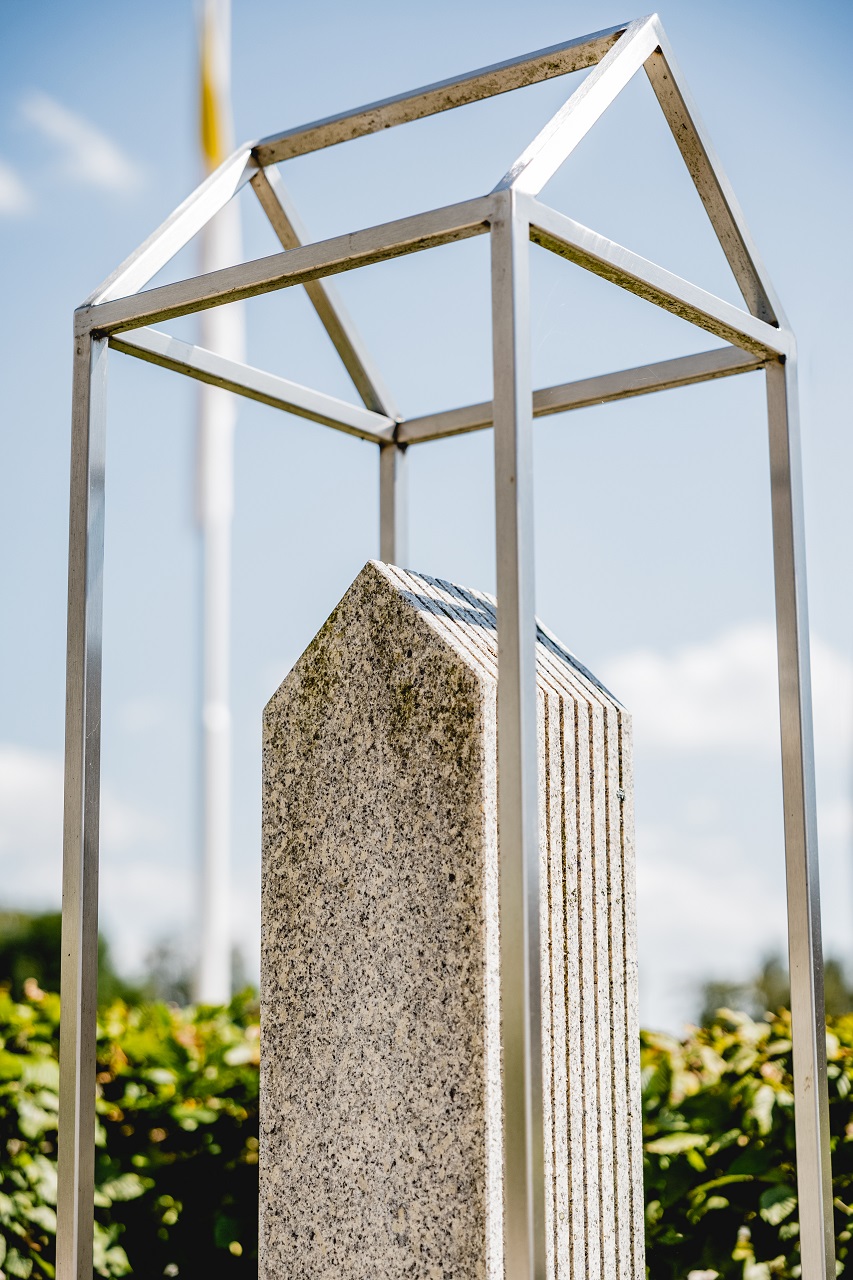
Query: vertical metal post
pixel 221 330
pixel 79 986
pixel 518 799
pixel 213 973
pixel 814 1178
pixel 393 505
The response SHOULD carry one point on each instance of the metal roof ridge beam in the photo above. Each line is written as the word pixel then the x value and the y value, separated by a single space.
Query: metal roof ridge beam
pixel 255 384
pixel 567 127
pixel 664 375
pixel 443 95
pixel 323 296
pixel 612 261
pixel 293 266
pixel 178 229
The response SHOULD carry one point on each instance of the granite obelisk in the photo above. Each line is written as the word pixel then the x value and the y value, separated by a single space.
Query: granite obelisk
pixel 380 1079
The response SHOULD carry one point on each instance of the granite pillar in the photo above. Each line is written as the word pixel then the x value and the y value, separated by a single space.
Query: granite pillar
pixel 380 1063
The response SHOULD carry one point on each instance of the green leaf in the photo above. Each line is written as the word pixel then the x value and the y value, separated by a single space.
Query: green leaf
pixel 41 1072
pixel 708 1206
pixel 721 1182
pixel 41 1173
pixel 43 1216
pixel 33 1120
pixel 17 1265
pixel 762 1107
pixel 777 1203
pixel 654 1211
pixel 161 1075
pixel 109 1259
pixel 127 1186
pixel 240 1054
pixel 11 1065
pixel 674 1143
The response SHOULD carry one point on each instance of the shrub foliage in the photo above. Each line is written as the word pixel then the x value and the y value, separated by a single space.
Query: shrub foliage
pixel 177 1142
pixel 720 1180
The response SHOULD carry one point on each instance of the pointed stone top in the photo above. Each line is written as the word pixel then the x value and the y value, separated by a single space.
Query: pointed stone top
pixel 462 619
pixel 467 621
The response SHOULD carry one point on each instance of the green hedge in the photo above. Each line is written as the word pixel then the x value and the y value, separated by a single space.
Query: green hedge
pixel 177 1142
pixel 719 1144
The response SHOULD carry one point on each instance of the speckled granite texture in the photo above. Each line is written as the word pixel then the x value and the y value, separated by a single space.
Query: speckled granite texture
pixel 380 1064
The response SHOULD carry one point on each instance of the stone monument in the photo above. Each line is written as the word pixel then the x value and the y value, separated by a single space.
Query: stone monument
pixel 380 1062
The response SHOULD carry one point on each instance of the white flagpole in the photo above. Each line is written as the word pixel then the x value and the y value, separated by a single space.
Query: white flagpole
pixel 221 330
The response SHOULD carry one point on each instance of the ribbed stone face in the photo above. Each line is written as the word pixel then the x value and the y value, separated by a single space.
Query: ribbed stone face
pixel 380 1086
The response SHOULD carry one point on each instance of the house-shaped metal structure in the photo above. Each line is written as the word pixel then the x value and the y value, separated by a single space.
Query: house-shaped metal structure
pixel 119 315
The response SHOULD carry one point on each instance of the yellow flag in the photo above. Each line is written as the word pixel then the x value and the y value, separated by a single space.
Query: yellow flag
pixel 214 115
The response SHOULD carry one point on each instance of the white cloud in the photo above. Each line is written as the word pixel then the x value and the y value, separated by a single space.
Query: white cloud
pixel 142 902
pixel 14 195
pixel 706 907
pixel 31 785
pixel 722 695
pixel 146 892
pixel 88 155
pixel 710 863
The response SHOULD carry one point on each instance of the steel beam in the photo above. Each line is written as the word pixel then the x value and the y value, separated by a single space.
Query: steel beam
pixel 811 1108
pixel 711 182
pixel 179 228
pixel 518 784
pixel 79 982
pixel 684 371
pixel 647 280
pixel 486 82
pixel 393 505
pixel 254 384
pixel 555 143
pixel 295 266
pixel 324 297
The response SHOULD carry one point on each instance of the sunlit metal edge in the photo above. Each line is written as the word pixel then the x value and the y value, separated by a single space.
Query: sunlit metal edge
pixel 80 853
pixel 485 82
pixel 611 261
pixel 518 756
pixel 255 384
pixel 178 229
pixel 393 504
pixel 324 297
pixel 665 375
pixel 712 184
pixel 294 266
pixel 808 1014
pixel 326 301
pixel 555 142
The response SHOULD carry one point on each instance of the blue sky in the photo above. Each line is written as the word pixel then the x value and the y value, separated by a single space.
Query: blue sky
pixel 653 546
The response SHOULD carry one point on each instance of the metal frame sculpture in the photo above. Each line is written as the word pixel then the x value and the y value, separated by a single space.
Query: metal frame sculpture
pixel 117 315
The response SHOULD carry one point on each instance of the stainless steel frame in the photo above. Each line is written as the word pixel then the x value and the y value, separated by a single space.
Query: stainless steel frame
pixel 117 315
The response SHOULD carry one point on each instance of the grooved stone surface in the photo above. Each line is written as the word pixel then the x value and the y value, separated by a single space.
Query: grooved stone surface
pixel 380 1061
